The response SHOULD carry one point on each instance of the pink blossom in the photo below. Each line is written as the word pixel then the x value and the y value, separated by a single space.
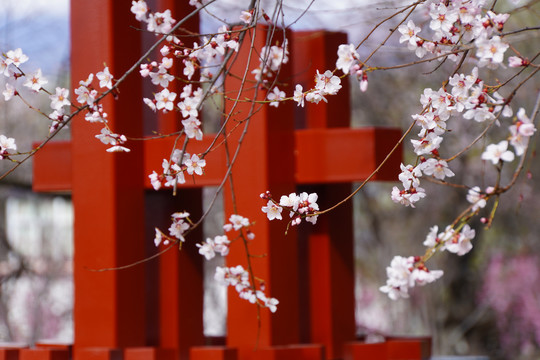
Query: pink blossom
pixel 105 78
pixel 272 210
pixel 498 152
pixel 35 81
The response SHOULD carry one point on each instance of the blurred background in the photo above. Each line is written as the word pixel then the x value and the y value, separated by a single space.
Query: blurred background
pixel 488 301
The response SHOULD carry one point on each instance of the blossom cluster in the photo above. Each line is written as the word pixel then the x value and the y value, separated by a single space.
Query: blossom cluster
pixel 238 278
pixel 239 223
pixel 60 104
pixel 174 168
pixel 10 68
pixel 180 224
pixel 455 23
pixel 325 84
pixel 471 98
pixel 406 272
pixel 271 59
pixel 300 206
pixel 220 244
pixel 349 62
pixel 203 57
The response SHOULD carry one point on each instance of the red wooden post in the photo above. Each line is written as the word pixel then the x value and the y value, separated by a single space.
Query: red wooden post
pixel 7 353
pixel 107 188
pixel 213 353
pixel 147 353
pixel 293 352
pixel 414 348
pixel 178 313
pixel 360 351
pixel 44 354
pixel 264 163
pixel 330 249
pixel 180 275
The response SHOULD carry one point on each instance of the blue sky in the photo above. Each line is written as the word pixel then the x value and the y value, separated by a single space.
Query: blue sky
pixel 41 29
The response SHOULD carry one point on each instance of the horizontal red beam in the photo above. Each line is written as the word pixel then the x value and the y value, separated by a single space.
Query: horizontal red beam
pixel 52 167
pixel 322 156
pixel 346 155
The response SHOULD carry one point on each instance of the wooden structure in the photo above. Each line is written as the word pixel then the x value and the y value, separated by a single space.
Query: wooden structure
pixel 154 310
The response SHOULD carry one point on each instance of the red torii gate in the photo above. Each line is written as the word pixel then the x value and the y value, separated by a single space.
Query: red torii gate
pixel 155 311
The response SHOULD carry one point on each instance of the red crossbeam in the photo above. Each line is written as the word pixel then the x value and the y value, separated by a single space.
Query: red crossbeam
pixel 322 156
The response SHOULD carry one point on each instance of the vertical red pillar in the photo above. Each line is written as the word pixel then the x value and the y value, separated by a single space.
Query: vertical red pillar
pixel 181 280
pixel 107 187
pixel 178 312
pixel 330 243
pixel 264 163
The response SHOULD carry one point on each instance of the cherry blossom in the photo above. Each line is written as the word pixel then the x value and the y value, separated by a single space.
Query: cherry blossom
pixel 195 165
pixel 16 57
pixel 327 83
pixel 180 223
pixel 160 23
pixel 432 238
pixel 498 152
pixel 245 17
pixel 408 34
pixel 521 131
pixel 272 210
pixel 300 206
pixel 35 81
pixel 105 78
pixel 139 8
pixel 438 168
pixel 96 114
pixel 238 278
pixel 60 98
pixel 161 77
pixel 275 96
pixel 347 56
pixel 85 95
pixel 475 197
pixel 442 18
pixel 158 238
pixel 192 127
pixel 460 244
pixel 164 100
pixel 58 117
pixel 516 61
pixel 5 145
pixel 270 303
pixel 410 175
pixel 9 92
pixel 409 196
pixel 189 68
pixel 4 67
pixel 271 58
pixel 116 140
pixel 404 273
pixel 298 95
pixel 118 148
pixel 173 171
pixel 490 52
pixel 188 107
pixel 238 222
pixel 209 248
pixel 362 77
